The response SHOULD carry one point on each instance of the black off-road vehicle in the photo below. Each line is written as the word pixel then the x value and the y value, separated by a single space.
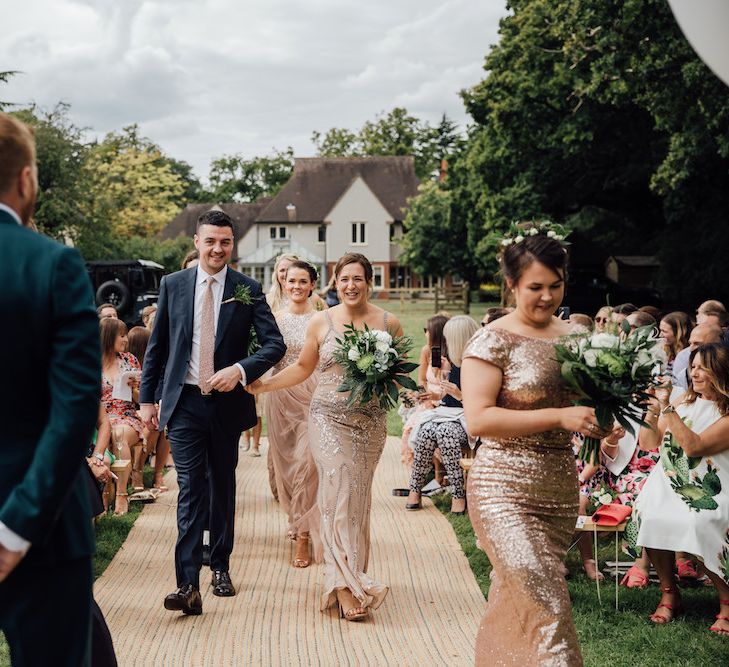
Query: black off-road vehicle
pixel 128 284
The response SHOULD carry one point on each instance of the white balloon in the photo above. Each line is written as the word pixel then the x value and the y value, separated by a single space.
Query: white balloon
pixel 705 23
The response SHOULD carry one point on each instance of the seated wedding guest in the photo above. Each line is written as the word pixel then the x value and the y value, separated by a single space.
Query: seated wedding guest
pixel 710 311
pixel 444 427
pixel 602 317
pixel 127 429
pixel 493 314
pixel 640 319
pixel 107 310
pixel 684 505
pixel 155 442
pixel 192 259
pixel 700 335
pixel 428 378
pixel 675 329
pixel 148 314
pixel 589 476
pixel 100 458
pixel 621 312
pixel 654 312
pixel 579 322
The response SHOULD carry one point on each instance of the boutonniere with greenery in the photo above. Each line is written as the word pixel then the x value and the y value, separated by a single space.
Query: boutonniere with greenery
pixel 242 295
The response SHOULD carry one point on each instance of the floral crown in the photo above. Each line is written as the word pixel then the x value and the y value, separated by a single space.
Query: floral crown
pixel 518 231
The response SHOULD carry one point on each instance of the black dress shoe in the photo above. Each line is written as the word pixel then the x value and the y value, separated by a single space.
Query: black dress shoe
pixel 185 599
pixel 222 585
pixel 206 555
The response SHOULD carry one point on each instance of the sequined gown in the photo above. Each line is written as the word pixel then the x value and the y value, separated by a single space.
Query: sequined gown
pixel 287 412
pixel 347 444
pixel 523 503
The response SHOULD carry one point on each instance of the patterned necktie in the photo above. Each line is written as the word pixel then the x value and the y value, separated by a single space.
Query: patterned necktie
pixel 207 339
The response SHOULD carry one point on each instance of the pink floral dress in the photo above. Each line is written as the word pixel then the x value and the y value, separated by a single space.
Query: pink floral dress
pixel 121 412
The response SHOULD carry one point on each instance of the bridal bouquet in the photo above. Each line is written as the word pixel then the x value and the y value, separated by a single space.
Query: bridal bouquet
pixel 374 364
pixel 612 375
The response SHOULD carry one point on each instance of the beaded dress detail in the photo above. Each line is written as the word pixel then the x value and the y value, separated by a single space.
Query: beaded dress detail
pixel 346 443
pixel 523 503
pixel 287 412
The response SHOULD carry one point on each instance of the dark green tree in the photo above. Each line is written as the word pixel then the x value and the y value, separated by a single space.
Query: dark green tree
pixel 235 178
pixel 600 115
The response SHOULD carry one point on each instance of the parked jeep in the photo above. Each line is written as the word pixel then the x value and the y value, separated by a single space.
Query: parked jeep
pixel 128 284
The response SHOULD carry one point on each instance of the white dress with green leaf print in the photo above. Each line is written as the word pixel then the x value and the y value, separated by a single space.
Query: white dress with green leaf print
pixel 684 505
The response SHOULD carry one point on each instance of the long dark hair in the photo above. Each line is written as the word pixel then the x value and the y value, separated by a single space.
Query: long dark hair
pixel 138 338
pixel 110 328
pixel 434 327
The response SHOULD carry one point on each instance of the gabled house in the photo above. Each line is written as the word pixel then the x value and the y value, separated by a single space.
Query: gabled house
pixel 331 206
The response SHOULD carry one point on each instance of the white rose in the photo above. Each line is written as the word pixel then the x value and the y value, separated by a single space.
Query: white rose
pixel 382 336
pixel 604 340
pixel 605 499
pixel 519 239
pixel 382 346
pixel 353 354
pixel 551 233
pixel 506 242
pixel 590 357
pixel 533 231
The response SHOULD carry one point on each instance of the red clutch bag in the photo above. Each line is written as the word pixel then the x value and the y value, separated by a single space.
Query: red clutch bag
pixel 612 515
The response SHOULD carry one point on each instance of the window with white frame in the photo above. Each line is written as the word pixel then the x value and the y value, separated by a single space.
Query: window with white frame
pixel 322 234
pixel 359 233
pixel 277 233
pixel 378 276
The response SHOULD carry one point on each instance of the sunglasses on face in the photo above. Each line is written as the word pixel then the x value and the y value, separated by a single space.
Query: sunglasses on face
pixel 601 319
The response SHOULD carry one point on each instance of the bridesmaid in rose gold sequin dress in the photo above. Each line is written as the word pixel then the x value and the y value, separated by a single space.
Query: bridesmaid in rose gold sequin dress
pixel 523 500
pixel 523 495
pixel 287 421
pixel 347 443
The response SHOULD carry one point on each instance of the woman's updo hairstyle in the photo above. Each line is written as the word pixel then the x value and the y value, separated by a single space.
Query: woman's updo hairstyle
pixel 310 269
pixel 354 258
pixel 528 247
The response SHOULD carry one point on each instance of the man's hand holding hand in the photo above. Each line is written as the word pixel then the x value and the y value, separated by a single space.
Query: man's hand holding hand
pixel 148 415
pixel 8 561
pixel 226 379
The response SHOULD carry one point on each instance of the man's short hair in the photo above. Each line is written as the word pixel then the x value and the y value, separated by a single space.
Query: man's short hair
pixel 100 309
pixel 215 217
pixel 17 149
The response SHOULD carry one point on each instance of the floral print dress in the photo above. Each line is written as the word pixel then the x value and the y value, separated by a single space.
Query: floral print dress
pixel 121 412
pixel 684 505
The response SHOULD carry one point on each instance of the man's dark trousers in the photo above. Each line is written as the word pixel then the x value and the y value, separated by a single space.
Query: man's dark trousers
pixel 198 441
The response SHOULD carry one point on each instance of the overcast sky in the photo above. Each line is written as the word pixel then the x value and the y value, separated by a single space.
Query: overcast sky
pixel 205 78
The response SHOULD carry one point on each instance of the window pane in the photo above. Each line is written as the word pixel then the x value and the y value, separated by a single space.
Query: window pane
pixel 322 234
pixel 354 232
pixel 362 232
pixel 273 232
pixel 282 232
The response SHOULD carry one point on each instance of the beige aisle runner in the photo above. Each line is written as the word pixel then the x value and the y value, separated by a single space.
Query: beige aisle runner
pixel 430 616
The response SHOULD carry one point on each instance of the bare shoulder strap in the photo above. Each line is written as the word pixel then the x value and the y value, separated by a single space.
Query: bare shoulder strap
pixel 385 320
pixel 329 319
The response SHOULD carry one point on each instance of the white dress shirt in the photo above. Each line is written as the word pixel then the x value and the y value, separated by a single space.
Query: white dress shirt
pixel 9 539
pixel 13 213
pixel 193 370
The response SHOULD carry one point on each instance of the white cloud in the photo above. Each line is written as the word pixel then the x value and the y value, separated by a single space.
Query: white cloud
pixel 209 77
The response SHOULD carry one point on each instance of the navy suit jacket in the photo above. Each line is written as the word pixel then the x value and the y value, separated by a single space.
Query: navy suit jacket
pixel 50 393
pixel 168 354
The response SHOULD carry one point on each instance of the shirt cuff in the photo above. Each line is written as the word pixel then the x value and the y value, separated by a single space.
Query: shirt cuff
pixel 242 375
pixel 12 541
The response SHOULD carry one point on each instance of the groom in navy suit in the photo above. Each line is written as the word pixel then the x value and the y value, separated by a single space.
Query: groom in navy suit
pixel 198 351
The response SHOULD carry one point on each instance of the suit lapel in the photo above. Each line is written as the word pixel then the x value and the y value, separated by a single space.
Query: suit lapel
pixel 226 309
pixel 188 304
